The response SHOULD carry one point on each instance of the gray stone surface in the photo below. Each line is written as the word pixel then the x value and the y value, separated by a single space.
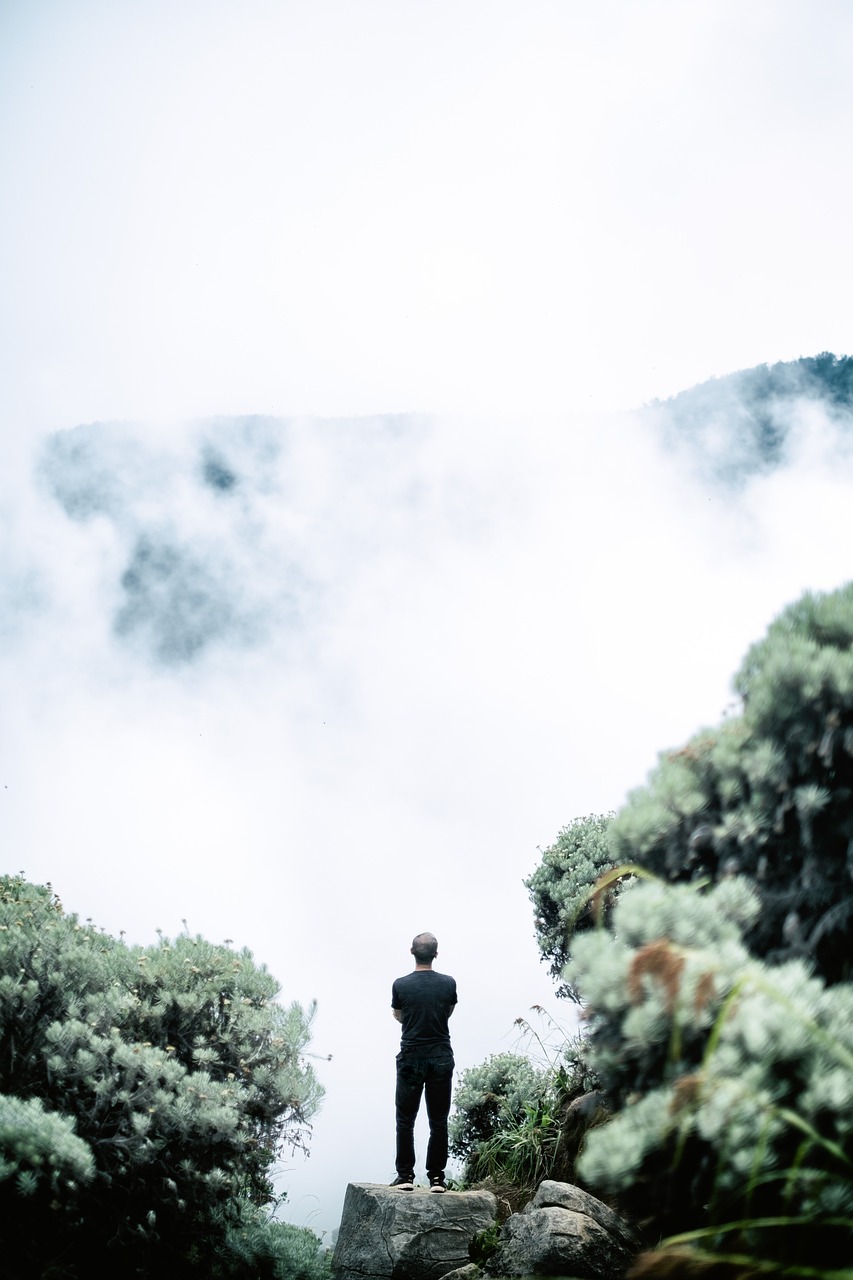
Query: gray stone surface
pixel 557 1242
pixel 407 1235
pixel 563 1231
pixel 563 1195
pixel 470 1272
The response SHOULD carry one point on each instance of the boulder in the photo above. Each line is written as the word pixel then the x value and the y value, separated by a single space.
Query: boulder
pixel 563 1195
pixel 563 1231
pixel 407 1235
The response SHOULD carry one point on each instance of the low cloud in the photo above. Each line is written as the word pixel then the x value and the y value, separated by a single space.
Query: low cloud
pixel 216 473
pixel 231 531
pixel 178 602
pixel 299 681
pixel 747 424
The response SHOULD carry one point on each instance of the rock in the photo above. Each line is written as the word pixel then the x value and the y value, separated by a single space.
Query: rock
pixel 563 1231
pixel 407 1235
pixel 563 1195
pixel 470 1272
pixel 557 1242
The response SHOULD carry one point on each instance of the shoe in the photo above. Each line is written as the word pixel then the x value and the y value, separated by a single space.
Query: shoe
pixel 404 1184
pixel 437 1183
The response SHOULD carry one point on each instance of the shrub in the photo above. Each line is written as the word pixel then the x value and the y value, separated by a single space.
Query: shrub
pixel 718 983
pixel 734 1079
pixel 146 1094
pixel 515 1123
pixel 561 890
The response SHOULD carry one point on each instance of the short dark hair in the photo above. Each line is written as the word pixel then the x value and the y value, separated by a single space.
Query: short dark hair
pixel 424 948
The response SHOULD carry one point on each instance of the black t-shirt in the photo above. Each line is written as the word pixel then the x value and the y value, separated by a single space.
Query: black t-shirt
pixel 425 999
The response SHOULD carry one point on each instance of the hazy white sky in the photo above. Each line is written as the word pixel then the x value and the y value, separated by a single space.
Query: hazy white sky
pixel 426 643
pixel 382 205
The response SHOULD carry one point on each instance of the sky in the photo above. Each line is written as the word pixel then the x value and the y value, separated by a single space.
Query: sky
pixel 341 565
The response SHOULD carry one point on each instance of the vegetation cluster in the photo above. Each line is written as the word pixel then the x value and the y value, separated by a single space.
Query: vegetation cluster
pixel 516 1122
pixel 146 1094
pixel 707 931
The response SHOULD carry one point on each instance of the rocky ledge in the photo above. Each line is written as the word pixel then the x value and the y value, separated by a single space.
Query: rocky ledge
pixel 386 1234
pixel 564 1231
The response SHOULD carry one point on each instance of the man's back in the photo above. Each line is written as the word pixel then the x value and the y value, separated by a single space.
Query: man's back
pixel 425 1000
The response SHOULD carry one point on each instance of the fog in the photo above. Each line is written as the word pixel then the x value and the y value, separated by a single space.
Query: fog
pixel 315 685
pixel 342 563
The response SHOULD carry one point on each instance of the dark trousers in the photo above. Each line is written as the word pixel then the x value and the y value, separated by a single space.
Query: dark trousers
pixel 431 1077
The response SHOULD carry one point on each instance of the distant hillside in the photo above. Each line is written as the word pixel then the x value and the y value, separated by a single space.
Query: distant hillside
pixel 738 425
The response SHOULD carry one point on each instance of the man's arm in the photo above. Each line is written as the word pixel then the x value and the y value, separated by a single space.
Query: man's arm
pixel 398 1014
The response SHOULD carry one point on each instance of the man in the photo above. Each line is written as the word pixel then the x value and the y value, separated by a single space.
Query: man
pixel 423 1002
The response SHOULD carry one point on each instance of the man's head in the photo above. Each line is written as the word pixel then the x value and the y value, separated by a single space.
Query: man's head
pixel 424 948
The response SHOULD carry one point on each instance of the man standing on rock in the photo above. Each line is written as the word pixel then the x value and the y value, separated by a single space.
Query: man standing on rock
pixel 423 1002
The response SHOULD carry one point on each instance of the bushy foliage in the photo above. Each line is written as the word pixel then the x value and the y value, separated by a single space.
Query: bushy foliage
pixel 719 985
pixel 561 890
pixel 278 1250
pixel 734 1078
pixel 491 1097
pixel 769 794
pixel 39 1147
pixel 516 1122
pixel 146 1094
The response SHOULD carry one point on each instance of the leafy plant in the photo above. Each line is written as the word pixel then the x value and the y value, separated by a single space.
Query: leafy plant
pixel 484 1244
pixel 718 983
pixel 769 793
pixel 735 1080
pixel 489 1098
pixel 510 1122
pixel 145 1095
pixel 560 887
pixel 279 1250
